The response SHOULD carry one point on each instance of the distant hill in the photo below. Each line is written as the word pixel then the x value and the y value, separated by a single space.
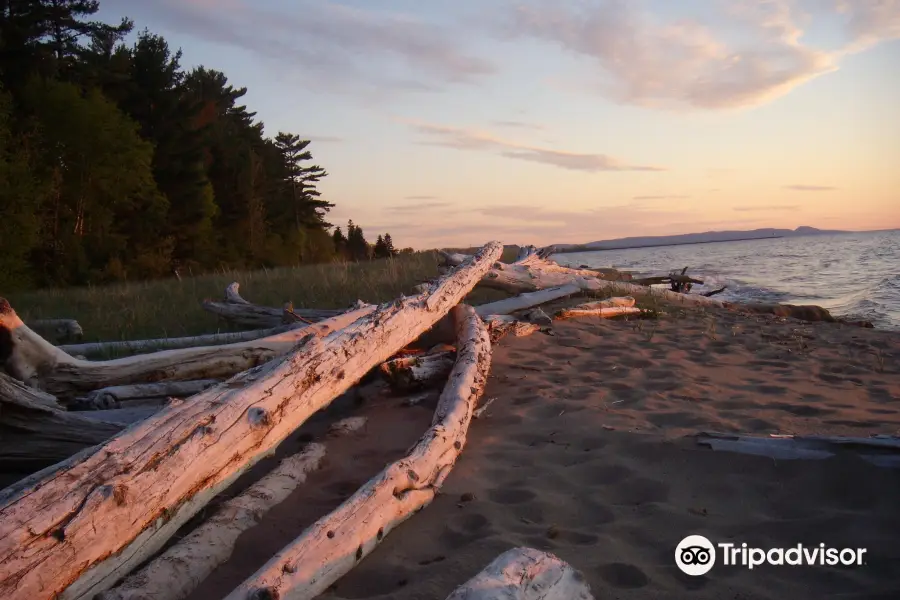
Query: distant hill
pixel 692 238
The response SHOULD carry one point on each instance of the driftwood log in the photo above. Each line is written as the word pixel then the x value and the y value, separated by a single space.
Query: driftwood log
pixel 117 396
pixel 336 543
pixel 612 307
pixel 525 574
pixel 501 325
pixel 36 433
pixel 30 358
pixel 415 372
pixel 235 309
pixel 143 346
pixel 147 481
pixel 178 571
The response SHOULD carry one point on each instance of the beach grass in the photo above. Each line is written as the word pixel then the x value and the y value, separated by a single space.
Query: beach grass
pixel 173 307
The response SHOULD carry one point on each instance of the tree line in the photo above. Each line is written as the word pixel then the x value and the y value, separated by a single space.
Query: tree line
pixel 116 162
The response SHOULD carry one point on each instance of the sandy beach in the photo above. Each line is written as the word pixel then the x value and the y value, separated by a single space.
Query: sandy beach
pixel 588 451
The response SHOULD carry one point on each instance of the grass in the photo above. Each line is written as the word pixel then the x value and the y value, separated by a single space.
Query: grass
pixel 172 307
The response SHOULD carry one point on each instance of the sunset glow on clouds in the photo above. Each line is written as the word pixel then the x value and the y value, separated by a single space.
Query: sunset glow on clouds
pixel 538 121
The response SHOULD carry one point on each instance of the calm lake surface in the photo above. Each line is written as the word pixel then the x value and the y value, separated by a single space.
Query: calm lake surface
pixel 852 274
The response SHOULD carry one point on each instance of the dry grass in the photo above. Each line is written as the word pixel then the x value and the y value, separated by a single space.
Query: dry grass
pixel 172 308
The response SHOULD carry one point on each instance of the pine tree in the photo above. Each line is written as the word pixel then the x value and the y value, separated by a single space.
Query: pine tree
pixel 389 245
pixel 357 246
pixel 380 249
pixel 340 243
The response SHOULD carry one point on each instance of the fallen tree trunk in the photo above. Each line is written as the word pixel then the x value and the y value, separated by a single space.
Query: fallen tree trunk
pixel 146 482
pixel 604 312
pixel 113 397
pixel 178 571
pixel 143 346
pixel 528 300
pixel 60 330
pixel 338 541
pixel 415 372
pixel 525 574
pixel 36 433
pixel 39 364
pixel 235 309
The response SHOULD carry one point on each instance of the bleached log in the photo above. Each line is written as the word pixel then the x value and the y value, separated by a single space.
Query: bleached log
pixel 113 397
pixel 87 522
pixel 35 432
pixel 347 426
pixel 142 346
pixel 525 574
pixel 882 451
pixel 528 300
pixel 40 364
pixel 235 309
pixel 124 416
pixel 501 325
pixel 338 541
pixel 178 571
pixel 538 317
pixel 604 312
pixel 59 330
pixel 415 372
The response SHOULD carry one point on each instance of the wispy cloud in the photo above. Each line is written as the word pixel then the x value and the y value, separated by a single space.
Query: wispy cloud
pixel 423 207
pixel 746 55
pixel 519 125
pixel 810 188
pixel 345 47
pixel 669 197
pixel 768 208
pixel 421 198
pixel 465 139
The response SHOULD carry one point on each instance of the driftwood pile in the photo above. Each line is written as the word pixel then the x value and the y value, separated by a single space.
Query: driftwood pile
pixel 123 452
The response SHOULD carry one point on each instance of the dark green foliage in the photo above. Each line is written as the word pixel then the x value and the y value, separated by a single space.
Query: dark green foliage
pixel 116 163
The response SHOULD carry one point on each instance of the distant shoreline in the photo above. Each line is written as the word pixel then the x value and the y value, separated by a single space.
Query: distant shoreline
pixel 589 249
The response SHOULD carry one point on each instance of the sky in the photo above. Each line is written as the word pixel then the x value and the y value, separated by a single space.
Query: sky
pixel 453 122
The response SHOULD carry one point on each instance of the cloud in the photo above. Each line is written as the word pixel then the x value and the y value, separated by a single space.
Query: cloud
pixel 745 55
pixel 810 188
pixel 641 198
pixel 421 198
pixel 770 208
pixel 519 125
pixel 464 139
pixel 344 47
pixel 423 207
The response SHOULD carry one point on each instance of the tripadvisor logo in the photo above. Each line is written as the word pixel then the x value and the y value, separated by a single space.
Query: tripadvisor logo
pixel 695 555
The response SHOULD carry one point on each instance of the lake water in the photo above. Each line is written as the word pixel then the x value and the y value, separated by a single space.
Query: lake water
pixel 854 275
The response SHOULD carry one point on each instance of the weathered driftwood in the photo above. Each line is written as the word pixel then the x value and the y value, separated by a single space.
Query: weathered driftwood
pixel 882 451
pixel 178 571
pixel 38 363
pixel 235 309
pixel 59 330
pixel 124 416
pixel 114 397
pixel 525 574
pixel 611 307
pixel 35 432
pixel 528 300
pixel 415 372
pixel 347 426
pixel 338 541
pixel 501 325
pixel 87 522
pixel 142 346
pixel 538 317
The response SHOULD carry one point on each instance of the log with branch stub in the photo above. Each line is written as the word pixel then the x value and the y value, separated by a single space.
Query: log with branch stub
pixel 147 481
pixel 117 396
pixel 411 373
pixel 38 363
pixel 178 571
pixel 501 325
pixel 235 309
pixel 144 346
pixel 525 574
pixel 337 542
pixel 36 433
